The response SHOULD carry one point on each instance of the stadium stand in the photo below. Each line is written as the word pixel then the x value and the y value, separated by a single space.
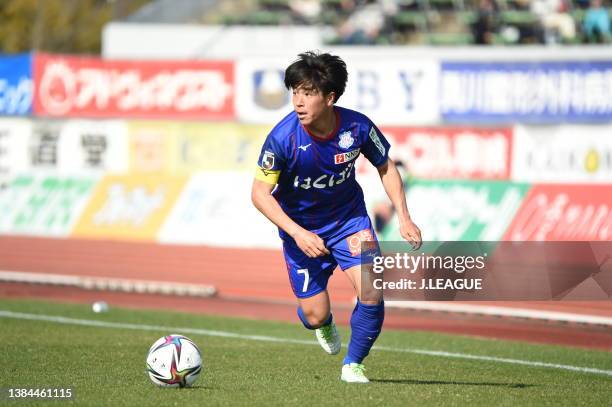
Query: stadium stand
pixel 399 22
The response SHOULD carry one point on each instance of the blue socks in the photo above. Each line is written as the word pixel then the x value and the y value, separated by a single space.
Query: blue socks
pixel 366 324
pixel 305 321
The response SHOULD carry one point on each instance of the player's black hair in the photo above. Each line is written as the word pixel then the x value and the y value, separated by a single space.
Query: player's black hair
pixel 323 72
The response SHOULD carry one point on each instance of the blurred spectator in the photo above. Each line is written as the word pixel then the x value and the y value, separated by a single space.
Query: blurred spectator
pixel 582 4
pixel 558 25
pixel 519 4
pixel 305 11
pixel 367 22
pixel 517 32
pixel 348 6
pixel 486 23
pixel 596 23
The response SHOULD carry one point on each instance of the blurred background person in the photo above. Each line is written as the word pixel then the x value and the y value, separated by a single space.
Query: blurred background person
pixel 369 20
pixel 305 11
pixel 556 22
pixel 486 22
pixel 596 23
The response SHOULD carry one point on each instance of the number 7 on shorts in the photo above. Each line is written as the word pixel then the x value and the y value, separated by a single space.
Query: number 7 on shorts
pixel 306 279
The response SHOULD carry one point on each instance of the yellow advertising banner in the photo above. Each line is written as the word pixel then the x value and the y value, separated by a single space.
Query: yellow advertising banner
pixel 151 146
pixel 184 148
pixel 129 207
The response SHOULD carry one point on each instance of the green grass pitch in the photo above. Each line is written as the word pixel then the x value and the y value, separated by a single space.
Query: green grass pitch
pixel 106 365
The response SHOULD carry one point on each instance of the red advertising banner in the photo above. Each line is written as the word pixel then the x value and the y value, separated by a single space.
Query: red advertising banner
pixel 564 213
pixel 455 152
pixel 92 87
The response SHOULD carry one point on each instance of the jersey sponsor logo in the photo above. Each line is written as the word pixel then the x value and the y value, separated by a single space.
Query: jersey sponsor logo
pixel 303 148
pixel 324 180
pixel 346 140
pixel 346 157
pixel 374 137
pixel 354 241
pixel 267 161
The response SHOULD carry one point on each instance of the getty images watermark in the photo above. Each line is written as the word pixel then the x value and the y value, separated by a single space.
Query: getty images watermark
pixel 22 393
pixel 413 263
pixel 471 271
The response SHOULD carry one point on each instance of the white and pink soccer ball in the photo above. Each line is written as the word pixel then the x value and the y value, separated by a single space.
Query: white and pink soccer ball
pixel 174 361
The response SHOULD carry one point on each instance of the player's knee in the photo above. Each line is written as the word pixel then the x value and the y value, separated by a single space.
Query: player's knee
pixel 316 319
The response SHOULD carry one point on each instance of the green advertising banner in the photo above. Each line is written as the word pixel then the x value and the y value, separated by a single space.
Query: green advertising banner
pixel 460 210
pixel 43 205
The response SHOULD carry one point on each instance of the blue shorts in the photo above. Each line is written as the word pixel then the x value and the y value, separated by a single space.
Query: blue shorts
pixel 309 276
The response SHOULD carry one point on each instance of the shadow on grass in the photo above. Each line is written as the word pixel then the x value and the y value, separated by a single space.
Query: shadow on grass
pixel 412 381
pixel 189 388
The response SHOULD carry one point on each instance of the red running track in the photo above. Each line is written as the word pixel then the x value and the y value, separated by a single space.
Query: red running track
pixel 253 284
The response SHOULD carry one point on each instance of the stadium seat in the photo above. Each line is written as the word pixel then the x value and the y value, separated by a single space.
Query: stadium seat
pixel 468 17
pixel 410 20
pixel 446 4
pixel 265 17
pixel 518 18
pixel 410 5
pixel 450 39
pixel 274 5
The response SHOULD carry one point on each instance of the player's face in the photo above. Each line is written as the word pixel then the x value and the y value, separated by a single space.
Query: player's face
pixel 310 104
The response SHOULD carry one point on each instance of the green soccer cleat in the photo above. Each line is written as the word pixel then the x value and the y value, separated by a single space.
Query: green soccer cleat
pixel 329 338
pixel 354 373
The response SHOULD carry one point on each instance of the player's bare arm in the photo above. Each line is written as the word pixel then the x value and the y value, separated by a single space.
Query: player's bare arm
pixel 261 195
pixel 392 182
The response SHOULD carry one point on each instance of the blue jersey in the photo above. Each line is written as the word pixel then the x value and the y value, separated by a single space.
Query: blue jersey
pixel 315 178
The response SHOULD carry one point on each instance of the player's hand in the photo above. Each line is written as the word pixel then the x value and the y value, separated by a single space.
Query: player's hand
pixel 411 233
pixel 311 244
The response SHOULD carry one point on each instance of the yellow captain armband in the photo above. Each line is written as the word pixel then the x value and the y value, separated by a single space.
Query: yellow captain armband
pixel 267 176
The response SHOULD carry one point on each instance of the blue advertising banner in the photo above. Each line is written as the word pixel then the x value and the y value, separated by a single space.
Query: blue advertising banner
pixel 540 92
pixel 16 87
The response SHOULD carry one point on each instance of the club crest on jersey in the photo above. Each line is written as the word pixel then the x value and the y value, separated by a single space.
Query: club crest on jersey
pixel 346 140
pixel 346 157
pixel 267 161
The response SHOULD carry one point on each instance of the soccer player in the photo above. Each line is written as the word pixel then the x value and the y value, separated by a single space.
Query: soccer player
pixel 305 184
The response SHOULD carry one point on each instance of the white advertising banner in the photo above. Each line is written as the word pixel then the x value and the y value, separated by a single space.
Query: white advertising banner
pixel 389 91
pixel 43 146
pixel 93 146
pixel 261 96
pixel 14 138
pixel 393 91
pixel 563 154
pixel 215 209
pixel 77 146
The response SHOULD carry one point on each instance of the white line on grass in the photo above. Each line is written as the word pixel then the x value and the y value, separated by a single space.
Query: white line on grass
pixel 497 311
pixel 224 334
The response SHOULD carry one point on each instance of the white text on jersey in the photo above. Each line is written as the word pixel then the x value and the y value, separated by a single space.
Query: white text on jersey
pixel 322 181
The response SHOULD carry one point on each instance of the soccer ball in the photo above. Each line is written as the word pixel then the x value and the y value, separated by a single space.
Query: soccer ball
pixel 174 361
